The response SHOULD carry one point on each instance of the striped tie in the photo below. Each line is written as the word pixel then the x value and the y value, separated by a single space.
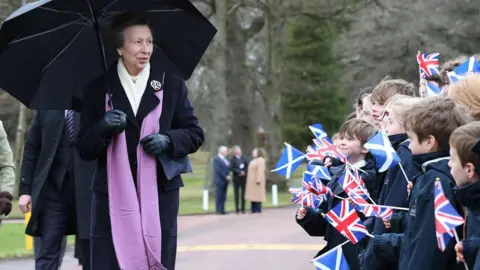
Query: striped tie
pixel 69 123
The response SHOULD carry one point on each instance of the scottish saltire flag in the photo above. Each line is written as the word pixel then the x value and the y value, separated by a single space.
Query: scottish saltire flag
pixel 331 260
pixel 432 89
pixel 466 68
pixel 345 219
pixel 446 217
pixel 428 64
pixel 314 185
pixel 323 148
pixel 353 188
pixel 289 161
pixel 319 132
pixel 320 172
pixel 382 151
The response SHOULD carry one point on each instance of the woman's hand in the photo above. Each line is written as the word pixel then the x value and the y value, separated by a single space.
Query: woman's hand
pixel 301 213
pixel 156 144
pixel 328 162
pixel 114 122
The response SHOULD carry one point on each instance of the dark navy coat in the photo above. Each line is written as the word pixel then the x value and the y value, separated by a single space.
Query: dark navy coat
pixel 419 245
pixel 469 196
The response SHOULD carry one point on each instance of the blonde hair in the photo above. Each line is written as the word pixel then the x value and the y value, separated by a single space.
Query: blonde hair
pixel 466 93
pixel 399 105
pixel 390 87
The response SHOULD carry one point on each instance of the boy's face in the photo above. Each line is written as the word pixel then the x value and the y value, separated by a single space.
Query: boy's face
pixel 391 124
pixel 377 111
pixel 366 112
pixel 418 147
pixel 353 148
pixel 463 175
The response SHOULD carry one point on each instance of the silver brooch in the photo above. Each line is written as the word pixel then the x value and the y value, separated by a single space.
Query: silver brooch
pixel 156 85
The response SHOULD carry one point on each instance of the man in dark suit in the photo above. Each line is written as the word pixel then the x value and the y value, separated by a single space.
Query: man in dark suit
pixel 221 178
pixel 51 171
pixel 239 165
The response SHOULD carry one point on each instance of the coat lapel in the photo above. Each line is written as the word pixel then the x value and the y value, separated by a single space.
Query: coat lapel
pixel 119 97
pixel 149 100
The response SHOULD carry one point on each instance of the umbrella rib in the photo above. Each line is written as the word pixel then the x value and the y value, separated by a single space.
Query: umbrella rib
pixel 46 31
pixel 54 58
pixel 106 7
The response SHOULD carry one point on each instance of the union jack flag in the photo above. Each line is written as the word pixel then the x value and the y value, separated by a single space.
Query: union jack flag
pixel 353 188
pixel 345 219
pixel 446 217
pixel 296 195
pixel 314 185
pixel 324 148
pixel 309 199
pixel 428 64
pixel 381 211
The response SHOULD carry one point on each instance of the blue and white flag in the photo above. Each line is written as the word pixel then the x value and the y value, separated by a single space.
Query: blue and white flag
pixel 432 89
pixel 382 151
pixel 319 171
pixel 331 260
pixel 466 68
pixel 289 161
pixel 319 132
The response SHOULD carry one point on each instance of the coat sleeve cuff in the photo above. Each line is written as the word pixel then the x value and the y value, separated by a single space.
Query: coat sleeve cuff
pixel 24 189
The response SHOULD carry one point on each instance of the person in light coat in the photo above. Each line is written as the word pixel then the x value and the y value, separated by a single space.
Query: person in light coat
pixel 7 174
pixel 255 190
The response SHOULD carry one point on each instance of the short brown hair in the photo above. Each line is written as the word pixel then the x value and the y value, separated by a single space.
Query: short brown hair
pixel 357 129
pixel 261 153
pixel 390 87
pixel 463 139
pixel 466 93
pixel 436 116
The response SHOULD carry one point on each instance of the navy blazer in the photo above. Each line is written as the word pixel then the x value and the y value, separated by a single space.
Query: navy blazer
pixel 177 121
pixel 221 171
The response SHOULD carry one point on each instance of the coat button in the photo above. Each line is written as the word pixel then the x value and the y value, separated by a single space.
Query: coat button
pixel 22 179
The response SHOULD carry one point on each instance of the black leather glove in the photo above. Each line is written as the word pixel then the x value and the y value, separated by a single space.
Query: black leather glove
pixel 5 203
pixel 113 122
pixel 156 144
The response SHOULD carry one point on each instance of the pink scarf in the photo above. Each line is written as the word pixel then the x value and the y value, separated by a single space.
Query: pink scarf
pixel 135 218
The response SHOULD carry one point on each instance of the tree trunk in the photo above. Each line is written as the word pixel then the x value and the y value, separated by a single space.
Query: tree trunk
pixel 20 141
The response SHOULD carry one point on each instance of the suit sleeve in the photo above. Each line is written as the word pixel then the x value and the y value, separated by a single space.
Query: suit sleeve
pixel 31 151
pixel 471 248
pixel 234 168
pixel 7 169
pixel 90 144
pixel 186 134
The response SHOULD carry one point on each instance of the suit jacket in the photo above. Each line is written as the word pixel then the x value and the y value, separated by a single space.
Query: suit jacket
pixel 221 171
pixel 177 121
pixel 237 165
pixel 43 139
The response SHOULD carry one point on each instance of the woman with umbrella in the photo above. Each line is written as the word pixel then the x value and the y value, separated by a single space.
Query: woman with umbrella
pixel 137 121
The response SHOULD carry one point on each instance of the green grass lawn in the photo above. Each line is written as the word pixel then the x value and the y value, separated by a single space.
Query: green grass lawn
pixel 12 244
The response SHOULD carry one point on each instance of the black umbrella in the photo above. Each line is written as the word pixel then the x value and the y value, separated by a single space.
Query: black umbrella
pixel 50 49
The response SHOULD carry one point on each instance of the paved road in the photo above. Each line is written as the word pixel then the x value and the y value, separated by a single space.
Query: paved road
pixel 271 240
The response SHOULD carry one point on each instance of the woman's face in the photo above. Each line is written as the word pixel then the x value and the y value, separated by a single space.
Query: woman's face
pixel 137 48
pixel 254 153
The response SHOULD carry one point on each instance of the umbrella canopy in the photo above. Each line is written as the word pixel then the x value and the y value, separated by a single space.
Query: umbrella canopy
pixel 50 49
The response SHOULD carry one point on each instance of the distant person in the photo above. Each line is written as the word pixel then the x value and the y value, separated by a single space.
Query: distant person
pixel 238 165
pixel 221 178
pixel 7 174
pixel 256 184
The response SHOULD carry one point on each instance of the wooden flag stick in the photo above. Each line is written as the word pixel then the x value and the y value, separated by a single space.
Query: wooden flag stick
pixel 458 241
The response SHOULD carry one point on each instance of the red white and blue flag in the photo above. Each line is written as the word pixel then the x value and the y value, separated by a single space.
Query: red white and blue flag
pixel 324 148
pixel 345 219
pixel 428 64
pixel 446 217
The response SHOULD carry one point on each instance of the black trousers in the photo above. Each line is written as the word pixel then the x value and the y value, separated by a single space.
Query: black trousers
pixel 256 207
pixel 58 208
pixel 239 187
pixel 102 253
